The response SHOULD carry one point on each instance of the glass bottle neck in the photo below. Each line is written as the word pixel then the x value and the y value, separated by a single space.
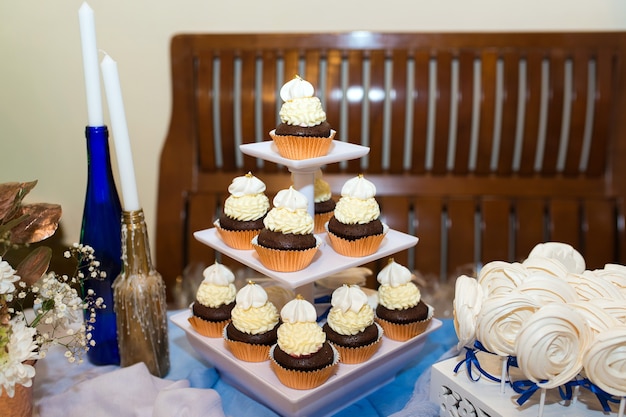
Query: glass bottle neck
pixel 135 244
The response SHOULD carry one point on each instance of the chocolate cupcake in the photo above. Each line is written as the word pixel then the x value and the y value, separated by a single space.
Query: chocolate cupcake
pixel 302 358
pixel 244 211
pixel 253 326
pixel 400 310
pixel 287 242
pixel 350 326
pixel 303 132
pixel 355 229
pixel 324 205
pixel 214 301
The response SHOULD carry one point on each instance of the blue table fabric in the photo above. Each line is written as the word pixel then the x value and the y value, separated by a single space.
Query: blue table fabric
pixel 406 395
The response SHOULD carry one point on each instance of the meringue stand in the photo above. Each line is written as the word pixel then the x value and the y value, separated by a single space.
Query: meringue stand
pixel 351 382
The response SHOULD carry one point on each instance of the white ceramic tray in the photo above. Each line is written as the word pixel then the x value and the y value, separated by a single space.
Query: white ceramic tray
pixel 349 384
pixel 326 262
pixel 339 151
pixel 457 395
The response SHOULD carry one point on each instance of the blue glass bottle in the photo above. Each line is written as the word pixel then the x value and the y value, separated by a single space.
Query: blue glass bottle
pixel 101 229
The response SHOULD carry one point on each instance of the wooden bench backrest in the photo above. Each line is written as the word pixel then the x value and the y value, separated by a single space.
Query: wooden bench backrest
pixel 481 144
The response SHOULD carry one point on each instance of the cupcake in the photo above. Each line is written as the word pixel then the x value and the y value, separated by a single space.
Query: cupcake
pixel 350 325
pixel 355 228
pixel 400 310
pixel 253 326
pixel 324 205
pixel 302 358
pixel 243 213
pixel 303 132
pixel 287 242
pixel 214 301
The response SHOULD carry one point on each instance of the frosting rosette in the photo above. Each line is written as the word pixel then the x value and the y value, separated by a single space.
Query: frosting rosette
pixel 551 266
pixel 500 320
pixel 569 257
pixel 300 107
pixel 357 203
pixel 217 287
pixel 597 318
pixel 468 300
pixel 290 214
pixel 299 334
pixel 614 273
pixel 396 290
pixel 350 312
pixel 499 277
pixel 550 345
pixel 253 313
pixel 588 286
pixel 605 361
pixel 247 200
pixel 616 308
pixel 321 188
pixel 545 288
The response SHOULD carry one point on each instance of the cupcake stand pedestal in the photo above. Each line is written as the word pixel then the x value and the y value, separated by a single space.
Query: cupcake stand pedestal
pixel 351 382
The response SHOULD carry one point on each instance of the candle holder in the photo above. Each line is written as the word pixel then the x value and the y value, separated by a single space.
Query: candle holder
pixel 140 304
pixel 100 229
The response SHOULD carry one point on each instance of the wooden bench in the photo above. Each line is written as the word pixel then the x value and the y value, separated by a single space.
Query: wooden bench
pixel 481 144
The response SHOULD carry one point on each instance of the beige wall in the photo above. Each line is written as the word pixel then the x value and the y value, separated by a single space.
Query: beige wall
pixel 42 98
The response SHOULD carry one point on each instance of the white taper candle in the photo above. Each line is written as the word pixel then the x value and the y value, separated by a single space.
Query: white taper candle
pixel 90 65
pixel 120 134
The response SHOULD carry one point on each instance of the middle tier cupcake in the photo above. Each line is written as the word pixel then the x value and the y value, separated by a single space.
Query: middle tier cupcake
pixel 287 242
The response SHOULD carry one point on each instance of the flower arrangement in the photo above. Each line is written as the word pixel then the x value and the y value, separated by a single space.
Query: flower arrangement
pixel 40 308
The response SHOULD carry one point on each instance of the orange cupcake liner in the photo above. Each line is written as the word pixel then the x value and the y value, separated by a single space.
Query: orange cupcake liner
pixel 285 260
pixel 247 351
pixel 302 147
pixel 354 355
pixel 404 332
pixel 236 239
pixel 208 328
pixel 303 380
pixel 359 247
pixel 320 221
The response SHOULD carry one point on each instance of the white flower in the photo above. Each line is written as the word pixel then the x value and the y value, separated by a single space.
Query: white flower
pixel 7 277
pixel 21 348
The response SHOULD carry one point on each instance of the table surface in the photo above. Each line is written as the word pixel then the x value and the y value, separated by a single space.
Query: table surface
pixel 55 376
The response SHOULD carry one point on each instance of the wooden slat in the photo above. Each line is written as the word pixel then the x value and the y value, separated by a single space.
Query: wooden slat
pixel 529 227
pixel 420 112
pixel 555 113
pixel 600 240
pixel 510 95
pixel 495 230
pixel 461 236
pixel 565 222
pixel 442 117
pixel 464 112
pixel 355 108
pixel 376 111
pixel 269 88
pixel 428 255
pixel 226 107
pixel 531 115
pixel 204 108
pixel 489 60
pixel 398 111
pixel 605 77
pixel 580 74
pixel 248 96
pixel 334 95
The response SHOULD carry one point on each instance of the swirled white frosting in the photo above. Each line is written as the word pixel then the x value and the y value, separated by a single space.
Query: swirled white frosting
pixel 321 189
pixel 350 313
pixel 588 285
pixel 597 318
pixel 546 288
pixel 290 214
pixel 247 200
pixel 551 266
pixel 217 288
pixel 468 300
pixel 563 252
pixel 299 334
pixel 605 361
pixel 499 277
pixel 550 345
pixel 253 313
pixel 396 290
pixel 357 203
pixel 300 108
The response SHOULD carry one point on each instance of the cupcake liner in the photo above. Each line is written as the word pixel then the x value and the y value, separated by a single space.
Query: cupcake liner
pixel 303 380
pixel 354 355
pixel 321 220
pixel 285 260
pixel 247 352
pixel 302 147
pixel 208 328
pixel 404 332
pixel 236 239
pixel 359 247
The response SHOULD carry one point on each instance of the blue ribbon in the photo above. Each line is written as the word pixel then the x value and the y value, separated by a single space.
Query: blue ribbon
pixel 471 362
pixel 526 388
pixel 603 397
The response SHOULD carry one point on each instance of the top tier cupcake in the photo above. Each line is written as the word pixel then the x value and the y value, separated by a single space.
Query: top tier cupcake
pixel 303 132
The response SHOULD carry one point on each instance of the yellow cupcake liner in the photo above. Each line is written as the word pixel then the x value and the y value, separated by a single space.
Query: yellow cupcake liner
pixel 285 260
pixel 355 355
pixel 302 147
pixel 208 328
pixel 303 380
pixel 404 332
pixel 321 220
pixel 247 352
pixel 236 239
pixel 359 247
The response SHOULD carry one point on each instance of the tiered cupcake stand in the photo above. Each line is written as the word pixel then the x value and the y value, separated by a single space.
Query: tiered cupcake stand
pixel 351 382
